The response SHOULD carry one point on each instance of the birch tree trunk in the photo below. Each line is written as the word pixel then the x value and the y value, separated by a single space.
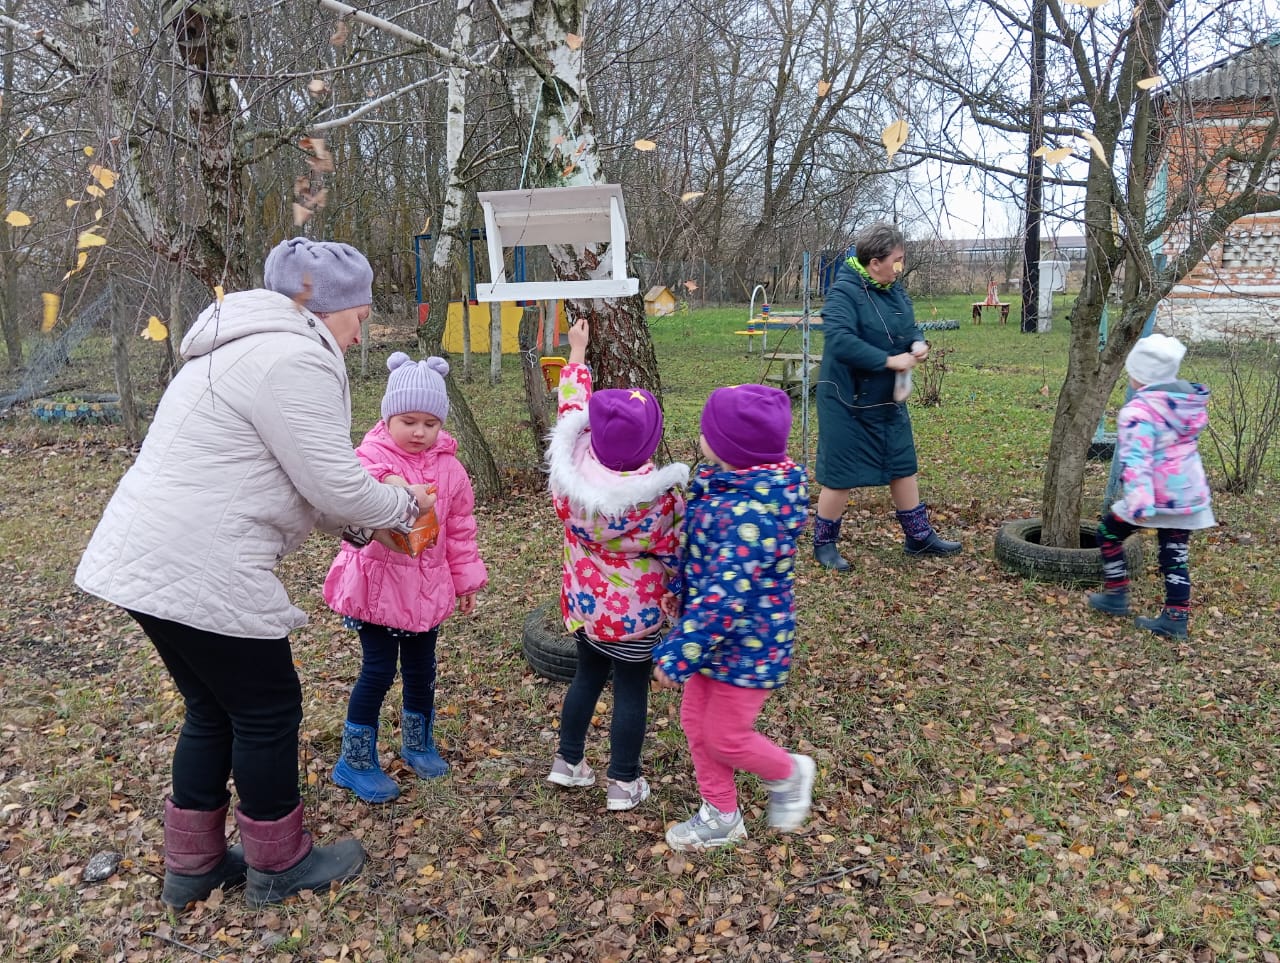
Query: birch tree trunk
pixel 495 342
pixel 548 89
pixel 472 447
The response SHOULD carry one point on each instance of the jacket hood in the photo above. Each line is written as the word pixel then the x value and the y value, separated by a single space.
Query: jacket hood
pixel 767 485
pixel 380 438
pixel 1181 405
pixel 593 489
pixel 248 313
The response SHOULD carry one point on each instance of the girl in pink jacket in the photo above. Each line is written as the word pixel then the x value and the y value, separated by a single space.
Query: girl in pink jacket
pixel 622 517
pixel 397 601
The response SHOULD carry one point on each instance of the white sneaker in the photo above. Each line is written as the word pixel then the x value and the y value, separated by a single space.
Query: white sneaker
pixel 708 828
pixel 627 795
pixel 790 798
pixel 563 774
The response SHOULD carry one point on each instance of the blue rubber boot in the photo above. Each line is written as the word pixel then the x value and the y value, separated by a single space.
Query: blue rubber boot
pixel 1171 623
pixel 418 745
pixel 1111 602
pixel 358 769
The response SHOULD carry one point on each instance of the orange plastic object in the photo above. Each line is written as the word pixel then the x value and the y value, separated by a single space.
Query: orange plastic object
pixel 423 535
pixel 425 532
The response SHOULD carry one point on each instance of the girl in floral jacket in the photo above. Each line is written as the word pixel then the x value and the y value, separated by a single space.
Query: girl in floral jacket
pixel 731 645
pixel 622 518
pixel 1157 443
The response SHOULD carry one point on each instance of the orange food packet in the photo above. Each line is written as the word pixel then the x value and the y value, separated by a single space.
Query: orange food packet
pixel 422 536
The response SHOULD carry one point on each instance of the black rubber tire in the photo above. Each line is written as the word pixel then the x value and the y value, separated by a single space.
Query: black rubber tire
pixel 550 652
pixel 1018 549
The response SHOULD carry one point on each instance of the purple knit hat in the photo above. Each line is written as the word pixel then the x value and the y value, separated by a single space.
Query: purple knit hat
pixel 747 425
pixel 337 275
pixel 626 426
pixel 416 386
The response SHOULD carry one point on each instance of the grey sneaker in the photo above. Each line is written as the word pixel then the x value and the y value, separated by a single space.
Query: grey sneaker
pixel 708 828
pixel 563 774
pixel 627 795
pixel 790 798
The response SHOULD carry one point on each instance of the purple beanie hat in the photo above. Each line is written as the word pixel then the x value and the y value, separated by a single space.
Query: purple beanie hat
pixel 415 386
pixel 339 276
pixel 626 426
pixel 747 425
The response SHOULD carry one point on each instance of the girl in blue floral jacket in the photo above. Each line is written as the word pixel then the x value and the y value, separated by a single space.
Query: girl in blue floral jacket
pixel 731 644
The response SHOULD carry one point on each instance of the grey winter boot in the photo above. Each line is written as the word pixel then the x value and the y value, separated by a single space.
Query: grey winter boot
pixel 1171 623
pixel 196 858
pixel 825 534
pixel 282 860
pixel 1111 601
pixel 418 745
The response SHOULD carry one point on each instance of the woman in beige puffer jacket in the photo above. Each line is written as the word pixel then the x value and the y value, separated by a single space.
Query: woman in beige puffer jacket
pixel 249 451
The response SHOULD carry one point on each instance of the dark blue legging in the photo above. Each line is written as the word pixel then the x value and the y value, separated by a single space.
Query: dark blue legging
pixel 1174 551
pixel 630 710
pixel 382 646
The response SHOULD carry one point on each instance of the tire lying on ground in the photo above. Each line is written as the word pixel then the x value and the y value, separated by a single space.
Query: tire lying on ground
pixel 1018 549
pixel 550 652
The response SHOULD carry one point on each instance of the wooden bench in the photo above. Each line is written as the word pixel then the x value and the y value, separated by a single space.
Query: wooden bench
pixel 787 370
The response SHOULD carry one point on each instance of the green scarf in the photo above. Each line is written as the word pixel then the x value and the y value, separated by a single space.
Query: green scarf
pixel 854 263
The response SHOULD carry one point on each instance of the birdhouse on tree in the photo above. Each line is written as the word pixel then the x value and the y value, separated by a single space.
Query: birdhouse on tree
pixel 659 302
pixel 576 216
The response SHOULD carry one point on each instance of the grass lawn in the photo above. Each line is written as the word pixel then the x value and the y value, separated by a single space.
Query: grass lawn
pixel 1003 775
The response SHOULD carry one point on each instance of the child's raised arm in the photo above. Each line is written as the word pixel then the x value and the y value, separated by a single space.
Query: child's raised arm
pixel 579 335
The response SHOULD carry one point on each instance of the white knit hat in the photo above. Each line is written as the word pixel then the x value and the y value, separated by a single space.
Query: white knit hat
pixel 1154 359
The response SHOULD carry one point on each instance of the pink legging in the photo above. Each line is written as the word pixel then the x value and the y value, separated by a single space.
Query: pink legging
pixel 719 721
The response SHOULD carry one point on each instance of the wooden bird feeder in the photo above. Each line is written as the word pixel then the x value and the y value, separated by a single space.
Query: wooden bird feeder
pixel 579 216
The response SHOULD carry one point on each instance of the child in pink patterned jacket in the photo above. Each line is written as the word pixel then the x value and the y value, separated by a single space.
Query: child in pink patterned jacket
pixel 622 517
pixel 1164 482
pixel 395 601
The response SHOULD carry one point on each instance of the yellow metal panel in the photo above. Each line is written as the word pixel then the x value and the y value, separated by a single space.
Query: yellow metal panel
pixel 511 314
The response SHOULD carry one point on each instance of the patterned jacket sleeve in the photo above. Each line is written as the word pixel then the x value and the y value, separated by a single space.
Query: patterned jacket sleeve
pixel 711 605
pixel 575 389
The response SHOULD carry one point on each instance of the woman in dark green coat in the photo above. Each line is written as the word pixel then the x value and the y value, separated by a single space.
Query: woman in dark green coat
pixel 864 432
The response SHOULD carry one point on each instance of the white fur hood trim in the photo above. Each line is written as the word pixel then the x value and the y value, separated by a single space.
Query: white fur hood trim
pixel 576 473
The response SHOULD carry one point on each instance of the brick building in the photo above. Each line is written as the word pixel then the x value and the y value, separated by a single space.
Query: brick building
pixel 1229 104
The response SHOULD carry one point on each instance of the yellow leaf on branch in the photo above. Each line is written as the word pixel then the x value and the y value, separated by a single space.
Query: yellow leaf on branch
pixel 17 219
pixel 824 88
pixel 690 195
pixel 573 41
pixel 218 293
pixel 81 258
pixel 156 329
pixel 95 191
pixel 1096 146
pixel 1146 83
pixel 894 136
pixel 645 144
pixel 107 178
pixel 89 239
pixel 51 305
pixel 89 152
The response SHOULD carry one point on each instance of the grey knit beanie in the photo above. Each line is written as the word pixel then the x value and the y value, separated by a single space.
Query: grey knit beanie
pixel 416 386
pixel 338 275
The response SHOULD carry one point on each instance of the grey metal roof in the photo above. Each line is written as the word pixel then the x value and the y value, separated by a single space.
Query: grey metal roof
pixel 1251 73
